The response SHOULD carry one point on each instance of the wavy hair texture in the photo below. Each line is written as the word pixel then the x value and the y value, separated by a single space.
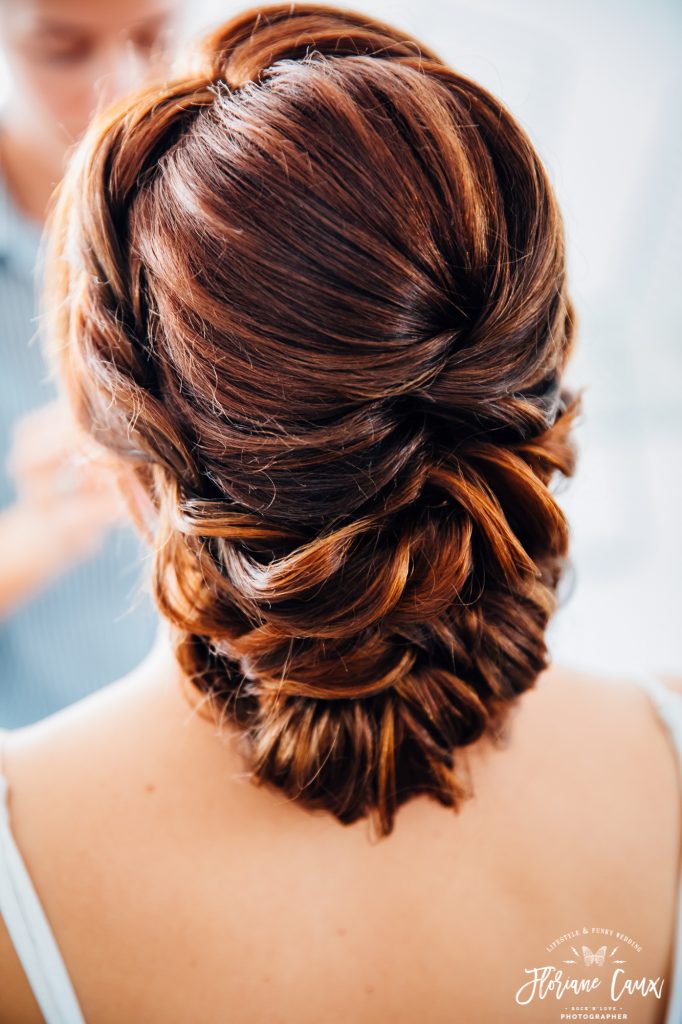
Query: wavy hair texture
pixel 313 295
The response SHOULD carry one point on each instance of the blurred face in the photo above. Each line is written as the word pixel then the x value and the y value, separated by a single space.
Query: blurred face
pixel 67 58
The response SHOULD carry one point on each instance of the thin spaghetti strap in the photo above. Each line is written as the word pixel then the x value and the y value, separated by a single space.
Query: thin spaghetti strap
pixel 668 703
pixel 28 926
pixel 651 682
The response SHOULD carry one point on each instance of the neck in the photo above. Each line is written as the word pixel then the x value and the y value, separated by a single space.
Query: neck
pixel 161 674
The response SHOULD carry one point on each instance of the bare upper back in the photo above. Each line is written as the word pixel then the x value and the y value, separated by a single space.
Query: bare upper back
pixel 177 891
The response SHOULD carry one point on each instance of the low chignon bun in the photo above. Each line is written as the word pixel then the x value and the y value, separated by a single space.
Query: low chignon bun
pixel 313 295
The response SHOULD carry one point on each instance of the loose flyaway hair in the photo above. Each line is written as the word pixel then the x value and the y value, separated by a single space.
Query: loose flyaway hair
pixel 313 297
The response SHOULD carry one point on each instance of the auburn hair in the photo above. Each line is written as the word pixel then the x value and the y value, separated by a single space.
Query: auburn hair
pixel 313 296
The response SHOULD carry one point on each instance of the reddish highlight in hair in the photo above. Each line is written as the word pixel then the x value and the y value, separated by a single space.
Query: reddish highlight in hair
pixel 314 299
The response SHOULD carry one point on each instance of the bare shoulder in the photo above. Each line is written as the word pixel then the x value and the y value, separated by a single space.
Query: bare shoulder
pixel 601 698
pixel 97 747
pixel 599 745
pixel 620 762
pixel 607 769
pixel 610 718
pixel 88 788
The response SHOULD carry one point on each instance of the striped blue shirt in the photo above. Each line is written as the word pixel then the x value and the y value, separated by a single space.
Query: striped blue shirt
pixel 96 621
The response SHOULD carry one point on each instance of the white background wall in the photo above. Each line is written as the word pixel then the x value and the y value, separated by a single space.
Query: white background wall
pixel 597 86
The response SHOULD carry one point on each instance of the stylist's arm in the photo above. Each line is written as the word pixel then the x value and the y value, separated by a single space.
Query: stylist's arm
pixel 63 508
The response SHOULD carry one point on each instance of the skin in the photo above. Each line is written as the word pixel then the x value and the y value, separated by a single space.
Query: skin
pixel 204 892
pixel 66 59
pixel 65 500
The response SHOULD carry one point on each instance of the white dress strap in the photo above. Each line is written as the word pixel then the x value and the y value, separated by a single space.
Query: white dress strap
pixel 28 927
pixel 668 704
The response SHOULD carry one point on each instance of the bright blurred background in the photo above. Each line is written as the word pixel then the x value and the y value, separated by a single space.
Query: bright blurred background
pixel 597 86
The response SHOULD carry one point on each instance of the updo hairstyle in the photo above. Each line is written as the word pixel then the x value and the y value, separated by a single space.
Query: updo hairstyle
pixel 312 296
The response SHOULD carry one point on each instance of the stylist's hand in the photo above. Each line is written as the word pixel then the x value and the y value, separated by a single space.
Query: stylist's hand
pixel 66 502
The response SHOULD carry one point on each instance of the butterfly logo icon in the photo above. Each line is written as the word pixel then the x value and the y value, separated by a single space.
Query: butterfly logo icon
pixel 597 957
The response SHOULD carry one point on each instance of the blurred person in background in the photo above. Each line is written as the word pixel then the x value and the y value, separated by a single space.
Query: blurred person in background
pixel 70 619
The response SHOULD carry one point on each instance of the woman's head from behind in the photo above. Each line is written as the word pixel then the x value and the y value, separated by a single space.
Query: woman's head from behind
pixel 314 299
